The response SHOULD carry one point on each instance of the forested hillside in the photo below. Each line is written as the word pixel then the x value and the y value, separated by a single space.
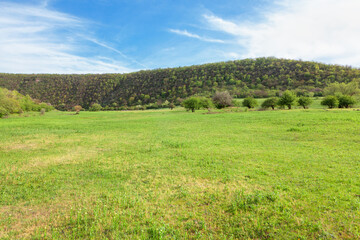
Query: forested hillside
pixel 260 77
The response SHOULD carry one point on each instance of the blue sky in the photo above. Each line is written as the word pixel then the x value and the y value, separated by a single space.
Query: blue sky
pixel 97 36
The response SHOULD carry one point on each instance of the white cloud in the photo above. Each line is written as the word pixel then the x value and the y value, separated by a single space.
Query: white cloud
pixel 321 30
pixel 35 39
pixel 192 35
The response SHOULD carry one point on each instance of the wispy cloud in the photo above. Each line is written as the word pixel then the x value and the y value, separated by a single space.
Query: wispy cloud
pixel 321 30
pixel 114 50
pixel 192 35
pixel 35 39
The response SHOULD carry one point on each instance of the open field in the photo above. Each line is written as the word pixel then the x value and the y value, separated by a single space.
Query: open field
pixel 179 175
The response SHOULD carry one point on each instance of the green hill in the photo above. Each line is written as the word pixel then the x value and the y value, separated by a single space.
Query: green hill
pixel 260 77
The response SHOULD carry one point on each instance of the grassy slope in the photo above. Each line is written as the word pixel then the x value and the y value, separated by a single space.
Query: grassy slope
pixel 173 174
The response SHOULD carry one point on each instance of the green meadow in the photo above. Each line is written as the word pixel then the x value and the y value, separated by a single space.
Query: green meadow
pixel 166 174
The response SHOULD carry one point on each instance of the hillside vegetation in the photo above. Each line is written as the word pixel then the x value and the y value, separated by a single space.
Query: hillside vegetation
pixel 262 77
pixel 14 102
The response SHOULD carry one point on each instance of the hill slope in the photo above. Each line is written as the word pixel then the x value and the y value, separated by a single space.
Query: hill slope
pixel 260 77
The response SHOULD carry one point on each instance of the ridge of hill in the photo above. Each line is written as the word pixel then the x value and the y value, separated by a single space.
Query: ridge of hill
pixel 261 77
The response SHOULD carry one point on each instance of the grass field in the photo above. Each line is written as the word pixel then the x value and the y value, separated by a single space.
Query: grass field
pixel 179 175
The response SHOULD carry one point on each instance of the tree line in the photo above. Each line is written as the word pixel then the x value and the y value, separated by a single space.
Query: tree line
pixel 337 95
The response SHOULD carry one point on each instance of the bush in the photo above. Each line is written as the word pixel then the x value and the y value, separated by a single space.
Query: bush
pixel 270 102
pixel 222 99
pixel 61 107
pixel 330 101
pixel 3 112
pixel 171 106
pixel 249 102
pixel 152 106
pixel 46 106
pixel 77 109
pixel 346 101
pixel 206 103
pixel 95 107
pixel 287 99
pixel 304 101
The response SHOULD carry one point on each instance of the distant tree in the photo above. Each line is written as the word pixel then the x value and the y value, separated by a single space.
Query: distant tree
pixel 222 99
pixel 192 103
pixel 346 101
pixel 77 109
pixel 270 102
pixel 95 107
pixel 249 102
pixel 287 99
pixel 304 101
pixel 330 101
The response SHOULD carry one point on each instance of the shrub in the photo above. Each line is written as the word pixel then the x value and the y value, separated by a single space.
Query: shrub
pixel 287 99
pixel 330 101
pixel 206 103
pixel 222 99
pixel 95 107
pixel 77 109
pixel 304 101
pixel 11 105
pixel 3 112
pixel 152 106
pixel 346 101
pixel 249 102
pixel 171 106
pixel 27 104
pixel 236 103
pixel 61 107
pixel 270 102
pixel 165 104
pixel 46 106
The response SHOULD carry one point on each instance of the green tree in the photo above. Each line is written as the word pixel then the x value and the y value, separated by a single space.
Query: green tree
pixel 330 101
pixel 346 101
pixel 249 102
pixel 304 101
pixel 288 99
pixel 192 103
pixel 270 102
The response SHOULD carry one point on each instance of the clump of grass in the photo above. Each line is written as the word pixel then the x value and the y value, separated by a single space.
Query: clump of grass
pixel 249 202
